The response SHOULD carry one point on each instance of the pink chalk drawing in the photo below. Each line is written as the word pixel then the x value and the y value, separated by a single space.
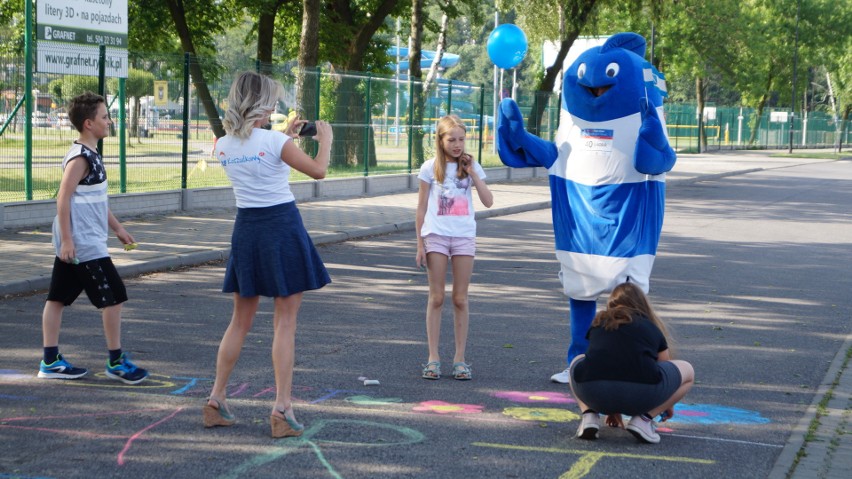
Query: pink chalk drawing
pixel 11 423
pixel 441 407
pixel 536 397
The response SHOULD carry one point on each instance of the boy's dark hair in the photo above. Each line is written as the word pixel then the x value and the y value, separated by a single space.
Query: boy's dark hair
pixel 83 107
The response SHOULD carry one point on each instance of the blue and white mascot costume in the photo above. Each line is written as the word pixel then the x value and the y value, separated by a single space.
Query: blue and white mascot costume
pixel 607 173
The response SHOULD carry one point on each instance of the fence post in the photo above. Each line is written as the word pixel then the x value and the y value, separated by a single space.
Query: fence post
pixel 122 146
pixel 558 115
pixel 28 107
pixel 450 97
pixel 410 121
pixel 367 130
pixel 185 130
pixel 102 85
pixel 318 94
pixel 481 116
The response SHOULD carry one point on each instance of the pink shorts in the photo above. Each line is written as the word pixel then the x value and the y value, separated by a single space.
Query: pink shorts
pixel 449 245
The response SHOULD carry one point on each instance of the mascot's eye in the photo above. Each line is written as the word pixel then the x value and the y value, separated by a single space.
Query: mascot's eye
pixel 581 70
pixel 612 70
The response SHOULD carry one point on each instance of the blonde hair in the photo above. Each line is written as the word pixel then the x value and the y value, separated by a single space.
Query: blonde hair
pixel 626 301
pixel 252 97
pixel 445 126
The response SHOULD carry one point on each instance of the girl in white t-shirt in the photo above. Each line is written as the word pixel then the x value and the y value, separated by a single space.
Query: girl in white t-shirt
pixel 446 228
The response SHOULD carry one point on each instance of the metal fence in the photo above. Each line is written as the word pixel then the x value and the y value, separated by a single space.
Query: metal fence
pixel 164 136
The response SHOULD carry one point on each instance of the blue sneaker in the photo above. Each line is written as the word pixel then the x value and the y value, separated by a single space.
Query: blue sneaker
pixel 125 371
pixel 60 369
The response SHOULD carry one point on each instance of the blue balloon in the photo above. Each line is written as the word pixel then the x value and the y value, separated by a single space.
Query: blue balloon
pixel 507 45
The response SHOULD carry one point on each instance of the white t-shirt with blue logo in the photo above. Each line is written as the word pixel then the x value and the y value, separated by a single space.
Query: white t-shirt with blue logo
pixel 258 174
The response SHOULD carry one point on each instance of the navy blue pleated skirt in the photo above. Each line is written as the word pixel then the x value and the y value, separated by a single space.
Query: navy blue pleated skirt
pixel 272 254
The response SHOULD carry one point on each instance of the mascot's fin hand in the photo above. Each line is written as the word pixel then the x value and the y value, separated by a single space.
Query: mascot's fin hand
pixel 517 147
pixel 653 155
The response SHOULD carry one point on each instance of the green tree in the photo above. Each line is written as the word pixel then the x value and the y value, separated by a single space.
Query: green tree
pixel 455 16
pixel 685 51
pixel 12 21
pixel 209 18
pixel 357 48
pixel 139 83
pixel 73 85
pixel 563 20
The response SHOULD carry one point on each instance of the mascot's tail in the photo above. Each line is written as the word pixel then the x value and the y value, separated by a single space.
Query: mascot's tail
pixel 517 147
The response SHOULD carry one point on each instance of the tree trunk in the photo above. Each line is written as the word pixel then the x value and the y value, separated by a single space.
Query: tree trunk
pixel 349 104
pixel 265 31
pixel 307 78
pixel 755 123
pixel 306 81
pixel 761 105
pixel 179 17
pixel 700 90
pixel 434 68
pixel 580 12
pixel 134 122
pixel 415 74
pixel 844 124
pixel 349 122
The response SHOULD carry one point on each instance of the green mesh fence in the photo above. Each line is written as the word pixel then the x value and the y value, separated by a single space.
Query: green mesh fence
pixel 164 133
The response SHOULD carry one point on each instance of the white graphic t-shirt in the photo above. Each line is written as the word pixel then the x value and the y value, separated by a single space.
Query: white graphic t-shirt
pixel 258 174
pixel 449 210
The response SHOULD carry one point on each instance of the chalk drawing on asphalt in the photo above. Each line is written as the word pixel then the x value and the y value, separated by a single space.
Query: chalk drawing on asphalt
pixel 19 423
pixel 322 432
pixel 588 459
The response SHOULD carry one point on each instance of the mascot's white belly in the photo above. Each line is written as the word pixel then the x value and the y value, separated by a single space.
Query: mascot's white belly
pixel 607 216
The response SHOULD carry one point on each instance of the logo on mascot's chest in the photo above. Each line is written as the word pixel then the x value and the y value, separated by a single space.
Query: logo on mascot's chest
pixel 596 141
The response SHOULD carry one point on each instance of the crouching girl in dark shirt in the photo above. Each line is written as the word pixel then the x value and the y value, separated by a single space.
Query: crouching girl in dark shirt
pixel 628 368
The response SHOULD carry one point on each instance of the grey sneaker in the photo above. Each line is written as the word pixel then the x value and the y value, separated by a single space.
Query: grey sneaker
pixel 643 430
pixel 589 426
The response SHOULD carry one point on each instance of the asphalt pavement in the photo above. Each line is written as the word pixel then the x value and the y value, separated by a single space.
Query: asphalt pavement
pixel 751 270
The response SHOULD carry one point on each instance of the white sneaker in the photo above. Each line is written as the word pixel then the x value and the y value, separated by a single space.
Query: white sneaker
pixel 643 430
pixel 589 426
pixel 562 378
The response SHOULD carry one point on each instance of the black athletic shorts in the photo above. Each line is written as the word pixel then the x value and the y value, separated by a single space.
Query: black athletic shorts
pixel 98 278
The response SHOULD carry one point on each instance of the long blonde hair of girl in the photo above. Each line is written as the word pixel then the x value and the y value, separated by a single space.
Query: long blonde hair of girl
pixel 626 301
pixel 445 126
pixel 252 97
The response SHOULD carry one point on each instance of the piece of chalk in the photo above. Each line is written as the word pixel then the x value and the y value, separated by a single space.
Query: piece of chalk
pixel 75 261
pixel 130 246
pixel 371 382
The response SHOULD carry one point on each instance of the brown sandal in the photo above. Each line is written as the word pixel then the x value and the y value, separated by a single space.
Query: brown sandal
pixel 284 426
pixel 217 415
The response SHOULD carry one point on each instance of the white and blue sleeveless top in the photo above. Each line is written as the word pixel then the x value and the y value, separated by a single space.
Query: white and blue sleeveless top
pixel 89 208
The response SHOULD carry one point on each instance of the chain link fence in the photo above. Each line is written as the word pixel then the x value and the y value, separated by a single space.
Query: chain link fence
pixel 167 116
